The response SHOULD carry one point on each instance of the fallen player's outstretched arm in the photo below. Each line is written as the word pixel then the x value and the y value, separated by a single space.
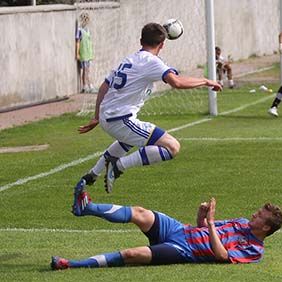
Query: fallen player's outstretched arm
pixel 220 252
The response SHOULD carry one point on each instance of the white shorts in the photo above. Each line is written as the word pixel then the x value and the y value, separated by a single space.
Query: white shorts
pixel 132 131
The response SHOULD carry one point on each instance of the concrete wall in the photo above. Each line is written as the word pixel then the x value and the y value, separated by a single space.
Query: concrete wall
pixel 247 27
pixel 184 53
pixel 121 35
pixel 37 53
pixel 37 49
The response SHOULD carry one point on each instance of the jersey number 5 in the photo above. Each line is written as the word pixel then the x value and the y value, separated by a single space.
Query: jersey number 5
pixel 122 75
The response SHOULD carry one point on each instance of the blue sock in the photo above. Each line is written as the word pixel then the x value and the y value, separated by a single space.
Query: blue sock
pixel 103 260
pixel 112 213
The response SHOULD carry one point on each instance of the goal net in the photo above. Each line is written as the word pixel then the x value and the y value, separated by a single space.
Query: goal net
pixel 115 28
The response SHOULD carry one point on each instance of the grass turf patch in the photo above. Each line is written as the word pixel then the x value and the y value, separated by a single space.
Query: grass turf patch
pixel 242 174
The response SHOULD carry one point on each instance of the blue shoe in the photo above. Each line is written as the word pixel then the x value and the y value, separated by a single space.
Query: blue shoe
pixel 81 200
pixel 112 172
pixel 58 263
pixel 87 179
pixel 80 186
pixel 78 189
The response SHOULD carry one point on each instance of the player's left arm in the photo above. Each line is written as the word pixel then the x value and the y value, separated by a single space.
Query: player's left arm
pixel 219 250
pixel 77 47
pixel 95 120
pixel 184 82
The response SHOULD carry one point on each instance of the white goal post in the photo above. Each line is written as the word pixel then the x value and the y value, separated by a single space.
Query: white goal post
pixel 209 5
pixel 280 42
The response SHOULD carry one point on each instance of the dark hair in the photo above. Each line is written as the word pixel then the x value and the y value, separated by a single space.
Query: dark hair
pixel 275 220
pixel 153 34
pixel 217 48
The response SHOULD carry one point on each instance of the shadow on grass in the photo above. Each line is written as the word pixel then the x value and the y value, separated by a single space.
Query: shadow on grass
pixel 47 268
pixel 6 257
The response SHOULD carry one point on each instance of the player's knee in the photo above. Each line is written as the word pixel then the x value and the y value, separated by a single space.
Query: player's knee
pixel 142 217
pixel 169 143
pixel 139 212
pixel 129 254
pixel 227 67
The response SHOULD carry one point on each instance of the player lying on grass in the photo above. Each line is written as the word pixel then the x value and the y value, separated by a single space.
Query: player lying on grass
pixel 233 241
pixel 120 98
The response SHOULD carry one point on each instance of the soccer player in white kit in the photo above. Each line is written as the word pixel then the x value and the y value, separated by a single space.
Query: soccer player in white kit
pixel 120 98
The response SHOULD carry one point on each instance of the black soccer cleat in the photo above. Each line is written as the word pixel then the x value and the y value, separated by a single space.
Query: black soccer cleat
pixel 112 172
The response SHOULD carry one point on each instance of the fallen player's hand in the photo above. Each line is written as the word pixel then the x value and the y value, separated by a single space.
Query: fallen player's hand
pixel 85 128
pixel 211 211
pixel 202 214
pixel 204 207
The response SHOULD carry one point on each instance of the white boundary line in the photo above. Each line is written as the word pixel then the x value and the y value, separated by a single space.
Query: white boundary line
pixel 252 72
pixel 52 171
pixel 23 148
pixel 247 105
pixel 55 230
pixel 231 139
pixel 189 124
pixel 71 231
pixel 221 114
pixel 93 156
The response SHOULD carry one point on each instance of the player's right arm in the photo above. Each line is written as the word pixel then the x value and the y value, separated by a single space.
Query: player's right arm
pixel 95 120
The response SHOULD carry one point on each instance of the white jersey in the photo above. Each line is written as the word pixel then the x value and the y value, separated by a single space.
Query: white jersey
pixel 131 84
pixel 220 59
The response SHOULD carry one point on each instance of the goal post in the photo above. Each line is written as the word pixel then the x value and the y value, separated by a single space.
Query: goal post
pixel 209 8
pixel 280 42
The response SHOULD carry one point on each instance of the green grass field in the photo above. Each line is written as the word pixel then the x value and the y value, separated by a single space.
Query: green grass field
pixel 235 157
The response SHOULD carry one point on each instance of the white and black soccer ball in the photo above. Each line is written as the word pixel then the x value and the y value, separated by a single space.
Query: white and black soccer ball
pixel 174 28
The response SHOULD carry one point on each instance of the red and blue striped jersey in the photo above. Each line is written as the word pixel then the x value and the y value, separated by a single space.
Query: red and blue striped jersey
pixel 235 234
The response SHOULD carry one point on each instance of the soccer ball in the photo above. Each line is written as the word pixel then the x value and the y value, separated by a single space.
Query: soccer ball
pixel 174 28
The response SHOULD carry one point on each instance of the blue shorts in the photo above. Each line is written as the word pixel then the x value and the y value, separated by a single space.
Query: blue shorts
pixel 84 64
pixel 167 241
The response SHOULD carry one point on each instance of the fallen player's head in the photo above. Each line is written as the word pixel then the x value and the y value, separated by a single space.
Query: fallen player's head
pixel 267 219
